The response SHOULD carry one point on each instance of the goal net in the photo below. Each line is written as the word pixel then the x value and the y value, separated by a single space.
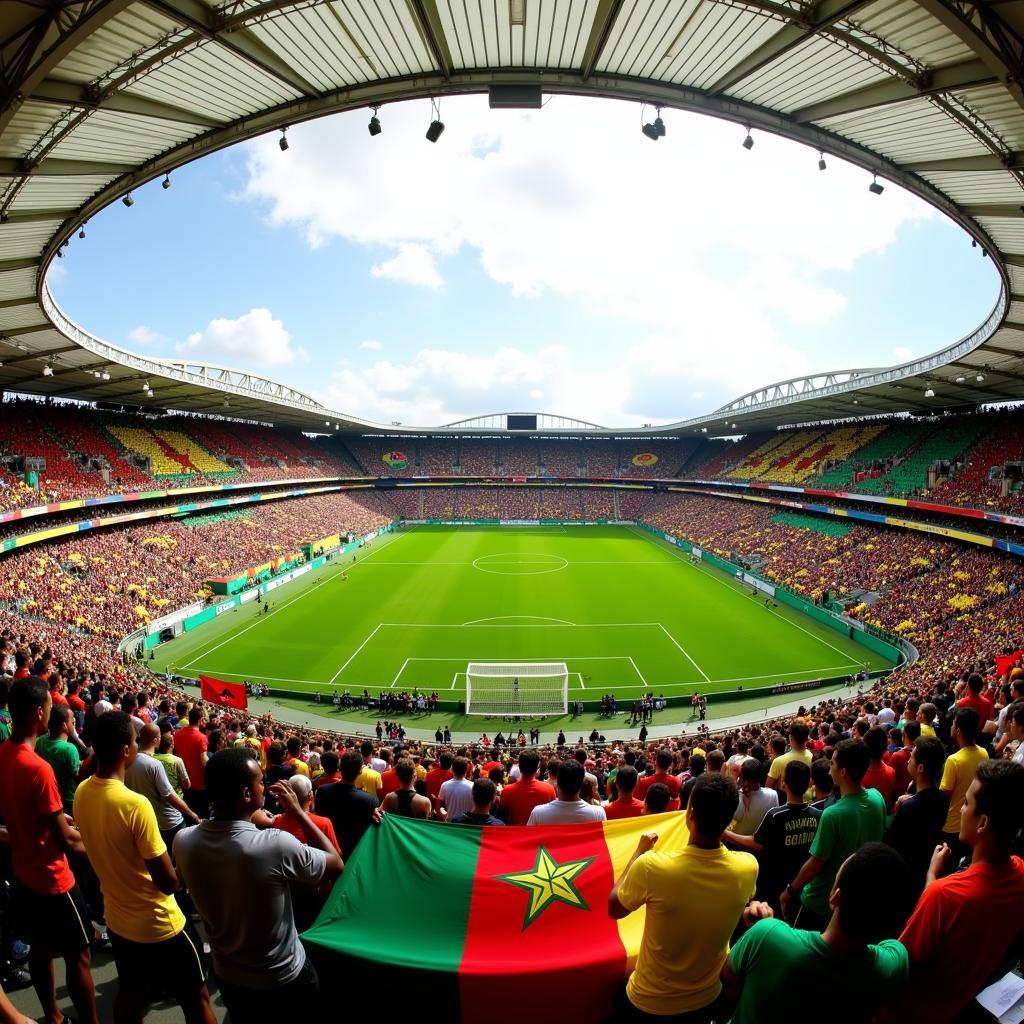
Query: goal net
pixel 517 688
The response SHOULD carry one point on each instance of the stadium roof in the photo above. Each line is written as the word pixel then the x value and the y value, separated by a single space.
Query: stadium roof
pixel 100 96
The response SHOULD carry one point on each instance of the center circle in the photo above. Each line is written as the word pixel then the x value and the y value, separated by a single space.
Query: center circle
pixel 520 563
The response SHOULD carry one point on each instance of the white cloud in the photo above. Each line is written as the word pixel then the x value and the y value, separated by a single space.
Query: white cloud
pixel 707 257
pixel 414 264
pixel 902 353
pixel 143 335
pixel 255 339
pixel 370 345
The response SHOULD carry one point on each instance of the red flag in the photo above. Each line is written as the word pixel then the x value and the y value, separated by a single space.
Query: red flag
pixel 228 695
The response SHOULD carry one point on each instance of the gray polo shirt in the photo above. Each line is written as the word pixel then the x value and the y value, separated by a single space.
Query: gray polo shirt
pixel 238 878
pixel 147 777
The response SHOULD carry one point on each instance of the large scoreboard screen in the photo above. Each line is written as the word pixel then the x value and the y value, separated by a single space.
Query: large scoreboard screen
pixel 522 422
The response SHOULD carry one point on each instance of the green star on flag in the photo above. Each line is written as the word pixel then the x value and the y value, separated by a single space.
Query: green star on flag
pixel 549 882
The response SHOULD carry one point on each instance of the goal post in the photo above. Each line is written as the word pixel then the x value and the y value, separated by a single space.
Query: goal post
pixel 517 688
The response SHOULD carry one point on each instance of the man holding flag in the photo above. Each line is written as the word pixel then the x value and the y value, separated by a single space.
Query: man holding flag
pixel 694 897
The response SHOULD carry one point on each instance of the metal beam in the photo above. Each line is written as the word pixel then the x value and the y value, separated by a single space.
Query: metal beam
pixel 432 31
pixel 35 329
pixel 70 94
pixel 23 264
pixel 604 19
pixel 200 19
pixel 14 168
pixel 91 19
pixel 29 356
pixel 819 16
pixel 968 75
pixel 28 300
pixel 982 162
pixel 36 216
pixel 994 209
pixel 979 30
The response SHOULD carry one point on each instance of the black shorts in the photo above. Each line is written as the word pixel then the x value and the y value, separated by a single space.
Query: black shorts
pixel 175 967
pixel 57 923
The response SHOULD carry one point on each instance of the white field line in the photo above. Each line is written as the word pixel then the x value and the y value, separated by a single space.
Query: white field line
pixel 538 561
pixel 356 651
pixel 540 619
pixel 707 678
pixel 400 671
pixel 640 674
pixel 455 679
pixel 478 624
pixel 724 583
pixel 579 675
pixel 262 618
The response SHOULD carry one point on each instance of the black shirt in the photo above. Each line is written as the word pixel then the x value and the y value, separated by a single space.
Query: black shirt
pixel 350 810
pixel 915 830
pixel 786 833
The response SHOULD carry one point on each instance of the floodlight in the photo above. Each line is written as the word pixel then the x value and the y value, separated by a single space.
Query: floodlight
pixel 48 368
pixel 105 375
pixel 434 131
pixel 81 231
pixel 166 183
pixel 961 380
pixel 821 162
pixel 145 385
pixel 127 199
pixel 980 378
pixel 929 393
pixel 748 142
pixel 374 125
pixel 875 187
pixel 283 141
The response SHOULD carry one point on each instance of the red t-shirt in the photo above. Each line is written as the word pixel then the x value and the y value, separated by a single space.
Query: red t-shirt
pixel 898 762
pixel 618 809
pixel 57 698
pixel 521 797
pixel 326 780
pixel 981 704
pixel 28 800
pixel 883 779
pixel 190 745
pixel 436 778
pixel 388 783
pixel 76 703
pixel 671 781
pixel 960 930
pixel 286 823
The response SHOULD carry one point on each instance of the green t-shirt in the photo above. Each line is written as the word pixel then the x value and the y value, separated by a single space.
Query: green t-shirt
pixel 773 961
pixel 5 725
pixel 171 763
pixel 843 829
pixel 63 758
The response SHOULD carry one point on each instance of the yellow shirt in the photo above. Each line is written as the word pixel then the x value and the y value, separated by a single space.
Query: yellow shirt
pixel 301 768
pixel 777 769
pixel 694 898
pixel 120 832
pixel 926 729
pixel 957 777
pixel 369 781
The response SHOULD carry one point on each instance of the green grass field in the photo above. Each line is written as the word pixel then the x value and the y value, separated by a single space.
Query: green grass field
pixel 626 612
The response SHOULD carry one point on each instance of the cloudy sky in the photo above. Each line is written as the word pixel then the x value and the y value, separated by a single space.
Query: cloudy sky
pixel 553 260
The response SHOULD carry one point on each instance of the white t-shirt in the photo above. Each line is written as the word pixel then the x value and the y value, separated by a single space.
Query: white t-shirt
pixel 566 812
pixel 886 716
pixel 752 808
pixel 457 796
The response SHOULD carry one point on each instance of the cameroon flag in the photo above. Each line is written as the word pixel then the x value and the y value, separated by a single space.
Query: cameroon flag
pixel 475 924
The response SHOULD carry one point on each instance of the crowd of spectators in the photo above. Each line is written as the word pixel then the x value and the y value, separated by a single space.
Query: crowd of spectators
pixel 108 582
pixel 796 828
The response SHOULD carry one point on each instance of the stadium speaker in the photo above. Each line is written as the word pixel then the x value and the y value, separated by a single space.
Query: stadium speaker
pixel 374 125
pixel 434 131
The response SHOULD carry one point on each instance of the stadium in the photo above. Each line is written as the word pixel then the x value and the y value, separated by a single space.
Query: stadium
pixel 250 633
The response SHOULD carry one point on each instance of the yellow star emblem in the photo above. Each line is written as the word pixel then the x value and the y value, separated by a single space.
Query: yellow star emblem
pixel 549 882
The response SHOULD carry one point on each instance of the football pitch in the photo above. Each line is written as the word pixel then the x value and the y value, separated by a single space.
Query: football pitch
pixel 625 611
